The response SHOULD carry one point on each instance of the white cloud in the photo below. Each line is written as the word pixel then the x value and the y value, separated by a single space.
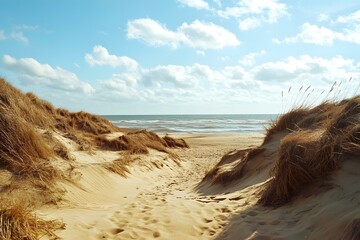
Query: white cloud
pixel 27 27
pixel 312 34
pixel 199 35
pixel 320 35
pixel 152 32
pixel 351 35
pixel 198 4
pixel 351 18
pixel 249 59
pixel 305 68
pixel 249 23
pixel 201 53
pixel 123 85
pixel 100 57
pixel 199 83
pixel 175 75
pixel 18 36
pixel 323 18
pixel 217 2
pixel 207 35
pixel 31 71
pixel 253 13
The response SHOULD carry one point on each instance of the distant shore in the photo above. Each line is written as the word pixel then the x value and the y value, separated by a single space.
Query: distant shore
pixel 196 124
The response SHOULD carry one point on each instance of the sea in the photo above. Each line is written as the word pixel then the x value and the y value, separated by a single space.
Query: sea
pixel 161 124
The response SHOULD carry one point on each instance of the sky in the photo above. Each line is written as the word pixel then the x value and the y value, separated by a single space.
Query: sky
pixel 181 56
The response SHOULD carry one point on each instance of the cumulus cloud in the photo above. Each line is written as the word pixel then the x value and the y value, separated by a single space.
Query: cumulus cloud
pixel 207 35
pixel 100 57
pixel 199 35
pixel 312 34
pixel 351 18
pixel 123 85
pixel 202 83
pixel 151 32
pixel 217 2
pixel 320 35
pixel 305 67
pixel 31 71
pixel 249 23
pixel 198 4
pixel 249 59
pixel 175 75
pixel 253 13
pixel 323 18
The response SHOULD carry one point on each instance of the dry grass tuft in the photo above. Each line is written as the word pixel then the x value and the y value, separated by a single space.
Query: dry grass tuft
pixel 120 166
pixel 313 149
pixel 231 166
pixel 174 143
pixel 17 222
pixel 22 150
pixel 314 143
pixel 138 142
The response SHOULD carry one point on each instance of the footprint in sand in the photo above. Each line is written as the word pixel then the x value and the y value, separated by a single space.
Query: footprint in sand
pixel 225 210
pixel 117 231
pixel 156 234
pixel 220 218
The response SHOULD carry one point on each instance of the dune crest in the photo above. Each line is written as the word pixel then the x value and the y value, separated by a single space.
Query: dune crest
pixel 306 171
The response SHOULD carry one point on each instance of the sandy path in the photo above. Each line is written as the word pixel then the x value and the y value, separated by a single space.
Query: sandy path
pixel 171 208
pixel 162 203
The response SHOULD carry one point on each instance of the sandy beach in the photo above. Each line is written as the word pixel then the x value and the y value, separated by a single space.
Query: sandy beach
pixel 75 175
pixel 159 198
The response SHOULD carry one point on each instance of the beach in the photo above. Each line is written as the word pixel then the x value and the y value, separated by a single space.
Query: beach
pixel 158 199
pixel 75 175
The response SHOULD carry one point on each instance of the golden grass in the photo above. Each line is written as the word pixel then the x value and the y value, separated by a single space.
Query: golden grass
pixel 120 166
pixel 314 143
pixel 28 148
pixel 221 174
pixel 22 150
pixel 26 152
pixel 175 143
pixel 138 142
pixel 17 222
pixel 313 150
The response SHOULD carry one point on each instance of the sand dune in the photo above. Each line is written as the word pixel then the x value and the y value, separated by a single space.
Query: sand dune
pixel 76 176
pixel 158 199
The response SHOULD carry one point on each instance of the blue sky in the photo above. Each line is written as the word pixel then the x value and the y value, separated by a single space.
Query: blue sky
pixel 181 56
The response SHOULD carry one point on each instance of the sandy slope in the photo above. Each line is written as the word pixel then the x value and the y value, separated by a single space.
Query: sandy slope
pixel 154 201
pixel 162 198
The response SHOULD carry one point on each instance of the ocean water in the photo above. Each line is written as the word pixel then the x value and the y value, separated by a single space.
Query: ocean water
pixel 237 123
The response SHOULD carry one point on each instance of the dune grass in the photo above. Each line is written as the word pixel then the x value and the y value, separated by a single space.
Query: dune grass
pixel 312 150
pixel 226 175
pixel 26 151
pixel 120 166
pixel 313 143
pixel 18 222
